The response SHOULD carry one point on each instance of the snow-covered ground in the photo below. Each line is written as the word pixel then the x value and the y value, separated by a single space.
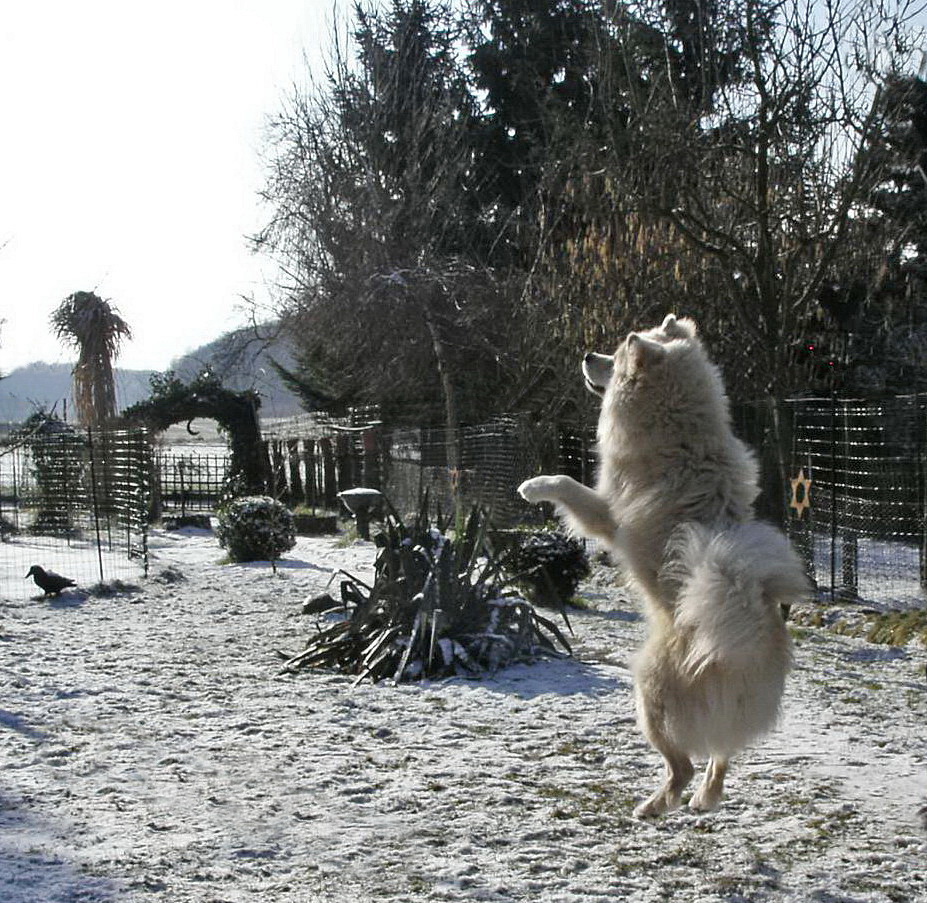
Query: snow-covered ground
pixel 152 751
pixel 81 560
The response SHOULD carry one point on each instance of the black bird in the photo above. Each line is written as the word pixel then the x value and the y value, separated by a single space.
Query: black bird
pixel 49 581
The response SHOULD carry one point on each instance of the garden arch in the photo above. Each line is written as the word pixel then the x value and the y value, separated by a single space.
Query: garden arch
pixel 173 401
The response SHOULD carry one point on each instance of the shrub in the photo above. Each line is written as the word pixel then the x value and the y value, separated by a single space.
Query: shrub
pixel 549 566
pixel 437 607
pixel 58 457
pixel 255 528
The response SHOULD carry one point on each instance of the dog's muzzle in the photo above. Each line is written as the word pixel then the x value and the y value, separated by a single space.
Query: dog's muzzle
pixel 597 372
pixel 592 387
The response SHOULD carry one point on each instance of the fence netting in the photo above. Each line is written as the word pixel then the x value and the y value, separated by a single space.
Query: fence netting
pixel 846 478
pixel 455 468
pixel 187 483
pixel 854 497
pixel 74 502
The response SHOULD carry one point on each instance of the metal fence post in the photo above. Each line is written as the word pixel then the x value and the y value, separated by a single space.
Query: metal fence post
pixel 94 499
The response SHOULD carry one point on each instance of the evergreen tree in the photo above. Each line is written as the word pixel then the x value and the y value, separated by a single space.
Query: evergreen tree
pixel 536 64
pixel 379 222
pixel 887 329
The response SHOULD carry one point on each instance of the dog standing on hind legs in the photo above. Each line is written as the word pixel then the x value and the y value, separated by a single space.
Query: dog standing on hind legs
pixel 674 501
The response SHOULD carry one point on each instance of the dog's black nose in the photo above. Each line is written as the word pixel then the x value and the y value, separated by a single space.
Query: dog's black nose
pixel 589 356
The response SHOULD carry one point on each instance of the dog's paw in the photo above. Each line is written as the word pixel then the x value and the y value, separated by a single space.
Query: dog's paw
pixel 539 489
pixel 704 800
pixel 659 804
pixel 647 810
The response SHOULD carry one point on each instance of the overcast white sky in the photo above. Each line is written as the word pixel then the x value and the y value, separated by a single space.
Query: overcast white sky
pixel 129 163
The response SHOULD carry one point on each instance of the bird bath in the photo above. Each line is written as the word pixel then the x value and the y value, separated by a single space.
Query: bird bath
pixel 362 503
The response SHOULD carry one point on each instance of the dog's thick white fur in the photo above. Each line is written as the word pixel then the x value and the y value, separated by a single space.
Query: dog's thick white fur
pixel 675 502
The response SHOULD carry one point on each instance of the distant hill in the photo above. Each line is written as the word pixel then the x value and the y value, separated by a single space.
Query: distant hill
pixel 240 359
pixel 24 390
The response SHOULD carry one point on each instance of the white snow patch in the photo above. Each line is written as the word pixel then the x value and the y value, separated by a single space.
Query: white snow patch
pixel 152 751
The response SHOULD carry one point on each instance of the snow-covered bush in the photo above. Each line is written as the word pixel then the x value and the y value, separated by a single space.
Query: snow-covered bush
pixel 549 566
pixel 255 528
pixel 437 607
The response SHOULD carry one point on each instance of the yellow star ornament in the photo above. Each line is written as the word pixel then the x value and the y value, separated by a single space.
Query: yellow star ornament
pixel 801 493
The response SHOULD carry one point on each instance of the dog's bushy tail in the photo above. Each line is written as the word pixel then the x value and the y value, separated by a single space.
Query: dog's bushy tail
pixel 729 586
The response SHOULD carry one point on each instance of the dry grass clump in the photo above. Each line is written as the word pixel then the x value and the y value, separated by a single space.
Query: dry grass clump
pixel 898 628
pixel 891 628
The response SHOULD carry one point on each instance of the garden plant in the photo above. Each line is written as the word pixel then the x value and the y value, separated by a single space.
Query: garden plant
pixel 438 606
pixel 255 528
pixel 548 565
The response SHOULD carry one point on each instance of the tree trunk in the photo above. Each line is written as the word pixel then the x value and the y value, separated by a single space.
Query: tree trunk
pixel 452 440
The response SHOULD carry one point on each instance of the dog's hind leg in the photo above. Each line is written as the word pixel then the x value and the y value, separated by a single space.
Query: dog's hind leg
pixel 679 772
pixel 711 789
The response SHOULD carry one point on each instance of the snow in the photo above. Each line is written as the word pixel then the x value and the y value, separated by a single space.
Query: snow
pixel 75 558
pixel 153 751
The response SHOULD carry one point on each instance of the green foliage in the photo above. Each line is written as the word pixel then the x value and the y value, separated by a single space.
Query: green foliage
pixel 174 401
pixel 57 463
pixel 437 607
pixel 255 528
pixel 876 314
pixel 540 67
pixel 549 565
pixel 309 385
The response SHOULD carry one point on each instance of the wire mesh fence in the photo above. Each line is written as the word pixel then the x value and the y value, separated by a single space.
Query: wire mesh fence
pixel 185 483
pixel 855 496
pixel 74 502
pixel 473 465
pixel 846 478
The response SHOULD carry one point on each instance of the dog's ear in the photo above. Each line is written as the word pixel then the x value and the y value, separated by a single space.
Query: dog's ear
pixel 679 329
pixel 643 353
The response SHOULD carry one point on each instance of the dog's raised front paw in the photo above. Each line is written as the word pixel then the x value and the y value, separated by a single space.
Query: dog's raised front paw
pixel 538 489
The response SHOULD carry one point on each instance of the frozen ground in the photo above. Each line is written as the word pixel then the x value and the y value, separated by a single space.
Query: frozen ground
pixel 77 559
pixel 151 751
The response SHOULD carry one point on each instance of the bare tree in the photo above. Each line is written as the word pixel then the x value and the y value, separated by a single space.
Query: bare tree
pixel 733 182
pixel 734 186
pixel 377 223
pixel 767 184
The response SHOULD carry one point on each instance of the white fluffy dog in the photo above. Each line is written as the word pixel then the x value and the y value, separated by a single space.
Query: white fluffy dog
pixel 675 501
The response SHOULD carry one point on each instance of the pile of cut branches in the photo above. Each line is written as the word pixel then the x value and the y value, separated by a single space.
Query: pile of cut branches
pixel 438 607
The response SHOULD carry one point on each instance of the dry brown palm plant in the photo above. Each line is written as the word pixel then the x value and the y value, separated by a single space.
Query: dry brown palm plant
pixel 92 326
pixel 438 607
